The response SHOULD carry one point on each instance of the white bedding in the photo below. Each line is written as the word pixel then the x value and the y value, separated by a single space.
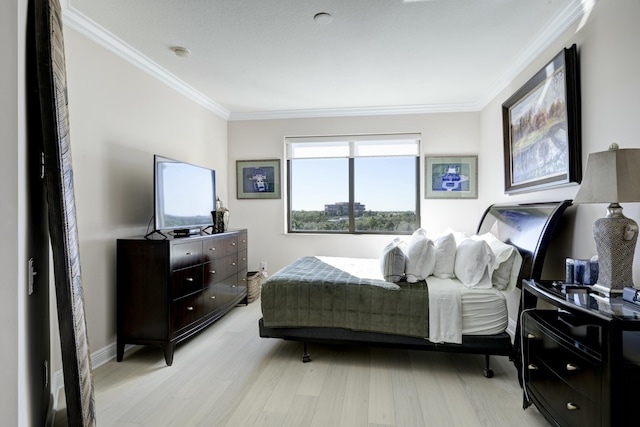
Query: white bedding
pixel 454 309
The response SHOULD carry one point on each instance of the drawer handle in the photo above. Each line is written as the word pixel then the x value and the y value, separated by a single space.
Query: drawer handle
pixel 531 336
pixel 244 241
pixel 233 286
pixel 233 263
pixel 244 279
pixel 188 254
pixel 212 272
pixel 532 367
pixel 212 297
pixel 189 308
pixel 572 406
pixel 212 249
pixel 233 243
pixel 189 279
pixel 244 259
pixel 572 367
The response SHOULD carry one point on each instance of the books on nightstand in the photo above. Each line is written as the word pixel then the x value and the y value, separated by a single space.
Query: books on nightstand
pixel 631 295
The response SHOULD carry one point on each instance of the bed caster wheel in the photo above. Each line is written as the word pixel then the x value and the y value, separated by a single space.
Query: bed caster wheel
pixel 488 373
pixel 306 358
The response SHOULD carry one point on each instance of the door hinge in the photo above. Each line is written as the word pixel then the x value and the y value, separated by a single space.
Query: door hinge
pixel 42 165
pixel 32 274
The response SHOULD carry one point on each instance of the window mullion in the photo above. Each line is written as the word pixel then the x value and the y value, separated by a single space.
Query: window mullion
pixel 352 186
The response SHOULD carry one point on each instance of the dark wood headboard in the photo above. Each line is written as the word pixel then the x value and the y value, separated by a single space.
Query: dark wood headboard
pixel 527 226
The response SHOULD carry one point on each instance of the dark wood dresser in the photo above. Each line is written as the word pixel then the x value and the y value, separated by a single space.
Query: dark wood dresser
pixel 170 289
pixel 581 356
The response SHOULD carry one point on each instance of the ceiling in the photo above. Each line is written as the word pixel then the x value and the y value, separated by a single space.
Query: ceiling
pixel 270 59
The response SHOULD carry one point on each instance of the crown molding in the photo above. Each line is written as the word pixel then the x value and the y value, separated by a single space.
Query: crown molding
pixel 354 111
pixel 92 30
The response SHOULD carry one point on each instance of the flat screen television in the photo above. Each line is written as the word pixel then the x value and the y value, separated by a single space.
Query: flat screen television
pixel 184 196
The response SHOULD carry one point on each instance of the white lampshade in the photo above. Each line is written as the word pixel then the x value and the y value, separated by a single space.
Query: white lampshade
pixel 611 176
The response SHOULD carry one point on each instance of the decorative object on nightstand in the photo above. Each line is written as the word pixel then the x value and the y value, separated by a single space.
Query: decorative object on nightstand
pixel 612 177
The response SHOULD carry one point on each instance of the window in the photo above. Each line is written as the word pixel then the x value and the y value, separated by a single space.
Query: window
pixel 354 184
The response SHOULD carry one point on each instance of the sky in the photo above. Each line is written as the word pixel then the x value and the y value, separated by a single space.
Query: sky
pixel 325 181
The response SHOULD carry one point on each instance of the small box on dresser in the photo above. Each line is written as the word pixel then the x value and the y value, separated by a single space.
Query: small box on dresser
pixel 168 290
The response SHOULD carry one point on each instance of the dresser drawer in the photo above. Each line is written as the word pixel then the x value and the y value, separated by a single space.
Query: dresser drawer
pixel 230 244
pixel 242 260
pixel 186 281
pixel 220 269
pixel 212 249
pixel 242 241
pixel 570 365
pixel 185 311
pixel 186 254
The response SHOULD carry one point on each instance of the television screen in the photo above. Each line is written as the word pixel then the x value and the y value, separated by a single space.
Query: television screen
pixel 185 194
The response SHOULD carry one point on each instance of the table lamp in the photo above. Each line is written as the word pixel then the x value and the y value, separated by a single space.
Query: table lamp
pixel 613 176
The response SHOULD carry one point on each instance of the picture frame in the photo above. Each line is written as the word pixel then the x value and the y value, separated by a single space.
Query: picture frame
pixel 541 128
pixel 451 177
pixel 258 179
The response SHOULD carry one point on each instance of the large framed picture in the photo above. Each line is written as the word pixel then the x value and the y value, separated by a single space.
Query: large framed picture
pixel 451 177
pixel 258 179
pixel 541 128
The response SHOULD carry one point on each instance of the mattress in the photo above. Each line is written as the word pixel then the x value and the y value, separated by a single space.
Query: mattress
pixel 484 311
pixel 287 302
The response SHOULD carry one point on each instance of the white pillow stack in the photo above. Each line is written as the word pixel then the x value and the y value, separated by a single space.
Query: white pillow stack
pixel 474 264
pixel 506 265
pixel 421 257
pixel 478 261
pixel 393 260
pixel 445 256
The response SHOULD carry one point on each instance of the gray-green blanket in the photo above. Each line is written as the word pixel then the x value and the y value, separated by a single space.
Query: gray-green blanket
pixel 312 293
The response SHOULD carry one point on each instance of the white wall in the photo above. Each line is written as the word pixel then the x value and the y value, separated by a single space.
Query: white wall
pixel 264 139
pixel 12 228
pixel 120 117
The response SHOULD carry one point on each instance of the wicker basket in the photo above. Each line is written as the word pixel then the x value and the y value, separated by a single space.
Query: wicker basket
pixel 254 282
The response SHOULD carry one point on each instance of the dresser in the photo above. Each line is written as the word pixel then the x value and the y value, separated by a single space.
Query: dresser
pixel 169 289
pixel 581 355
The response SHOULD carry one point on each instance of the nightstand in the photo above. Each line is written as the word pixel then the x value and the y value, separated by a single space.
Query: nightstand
pixel 581 355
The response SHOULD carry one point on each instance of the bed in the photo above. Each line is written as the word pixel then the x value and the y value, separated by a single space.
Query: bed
pixel 332 300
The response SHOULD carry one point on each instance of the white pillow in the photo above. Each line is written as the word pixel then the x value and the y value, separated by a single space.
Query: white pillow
pixel 474 264
pixel 458 235
pixel 393 260
pixel 508 261
pixel 421 257
pixel 445 256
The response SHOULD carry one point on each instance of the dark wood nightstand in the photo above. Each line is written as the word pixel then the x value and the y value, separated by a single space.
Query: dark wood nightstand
pixel 581 357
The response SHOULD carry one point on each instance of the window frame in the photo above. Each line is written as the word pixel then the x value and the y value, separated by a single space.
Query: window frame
pixel 353 139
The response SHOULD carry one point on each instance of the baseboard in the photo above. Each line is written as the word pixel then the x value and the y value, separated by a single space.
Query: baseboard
pixel 98 358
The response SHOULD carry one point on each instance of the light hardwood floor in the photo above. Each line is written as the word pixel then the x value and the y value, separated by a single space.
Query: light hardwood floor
pixel 229 376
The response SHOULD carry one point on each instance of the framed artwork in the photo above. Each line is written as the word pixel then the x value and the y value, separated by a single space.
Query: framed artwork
pixel 451 177
pixel 258 179
pixel 541 128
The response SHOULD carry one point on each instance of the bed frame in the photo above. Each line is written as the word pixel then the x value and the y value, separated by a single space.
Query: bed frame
pixel 529 227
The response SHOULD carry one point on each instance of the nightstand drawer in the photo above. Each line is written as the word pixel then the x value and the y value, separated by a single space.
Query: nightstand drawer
pixel 567 406
pixel 570 365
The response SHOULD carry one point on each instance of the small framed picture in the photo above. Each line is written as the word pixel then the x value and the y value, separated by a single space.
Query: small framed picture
pixel 258 179
pixel 451 177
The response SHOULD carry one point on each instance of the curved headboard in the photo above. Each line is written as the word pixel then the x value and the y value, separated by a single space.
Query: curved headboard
pixel 527 226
